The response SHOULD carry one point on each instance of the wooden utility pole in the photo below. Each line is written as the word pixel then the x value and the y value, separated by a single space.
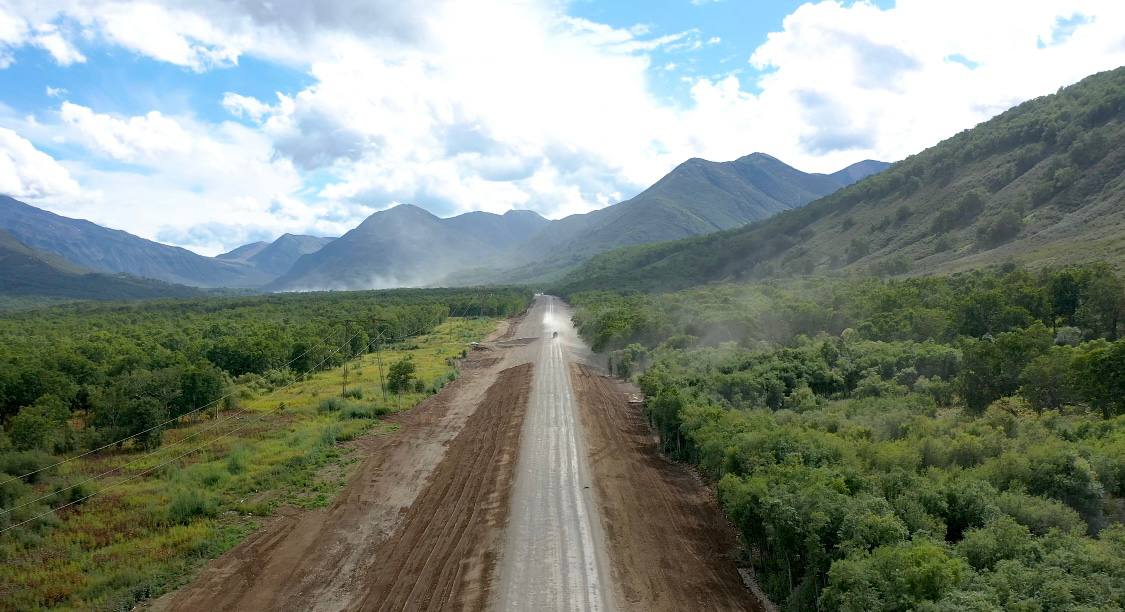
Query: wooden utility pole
pixel 347 356
pixel 379 361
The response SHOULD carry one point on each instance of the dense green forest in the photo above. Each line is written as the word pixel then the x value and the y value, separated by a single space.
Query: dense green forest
pixel 935 443
pixel 1038 185
pixel 83 376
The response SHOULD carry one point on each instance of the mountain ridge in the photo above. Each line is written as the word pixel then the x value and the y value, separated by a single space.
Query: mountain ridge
pixel 107 250
pixel 26 271
pixel 1040 184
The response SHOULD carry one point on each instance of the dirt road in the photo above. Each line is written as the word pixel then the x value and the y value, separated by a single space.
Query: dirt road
pixel 526 484
pixel 555 554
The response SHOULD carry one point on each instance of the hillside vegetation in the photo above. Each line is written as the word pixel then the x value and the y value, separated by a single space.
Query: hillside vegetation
pixel 1041 184
pixel 942 443
pixel 697 197
pixel 25 271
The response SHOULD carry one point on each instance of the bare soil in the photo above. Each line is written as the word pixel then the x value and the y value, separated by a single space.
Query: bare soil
pixel 443 556
pixel 670 546
pixel 325 559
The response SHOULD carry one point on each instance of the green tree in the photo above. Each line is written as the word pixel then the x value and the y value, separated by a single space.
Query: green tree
pixel 892 578
pixel 40 426
pixel 991 367
pixel 400 374
pixel 1103 303
pixel 1047 381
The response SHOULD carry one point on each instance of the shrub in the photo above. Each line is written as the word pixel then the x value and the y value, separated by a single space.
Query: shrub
pixel 188 504
pixel 332 404
pixel 1039 514
pixel 1006 227
pixel 237 460
pixel 967 208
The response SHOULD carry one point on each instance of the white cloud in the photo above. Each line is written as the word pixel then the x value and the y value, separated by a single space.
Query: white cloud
pixel 491 105
pixel 56 92
pixel 181 177
pixel 244 106
pixel 131 139
pixel 48 37
pixel 27 172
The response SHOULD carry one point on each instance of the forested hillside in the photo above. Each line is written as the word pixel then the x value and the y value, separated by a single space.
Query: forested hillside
pixel 1041 184
pixel 938 443
pixel 25 271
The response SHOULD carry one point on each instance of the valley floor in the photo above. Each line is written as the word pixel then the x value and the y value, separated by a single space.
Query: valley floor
pixel 529 482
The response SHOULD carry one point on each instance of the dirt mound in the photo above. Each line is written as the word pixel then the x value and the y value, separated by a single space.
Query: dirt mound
pixel 515 342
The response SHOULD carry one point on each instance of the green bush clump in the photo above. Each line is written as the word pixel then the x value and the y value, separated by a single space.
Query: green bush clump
pixel 188 504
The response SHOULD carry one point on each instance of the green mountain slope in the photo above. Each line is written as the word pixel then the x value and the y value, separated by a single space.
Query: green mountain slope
pixel 1041 184
pixel 25 271
pixel 108 250
pixel 697 197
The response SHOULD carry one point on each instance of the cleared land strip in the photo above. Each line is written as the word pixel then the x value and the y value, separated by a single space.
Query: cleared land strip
pixel 324 559
pixel 669 545
pixel 443 555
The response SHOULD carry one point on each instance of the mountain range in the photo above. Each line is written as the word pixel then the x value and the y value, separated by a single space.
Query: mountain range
pixel 28 271
pixel 408 246
pixel 1042 184
pixel 276 258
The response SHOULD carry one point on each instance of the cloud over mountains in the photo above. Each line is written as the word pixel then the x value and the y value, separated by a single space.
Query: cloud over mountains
pixel 459 106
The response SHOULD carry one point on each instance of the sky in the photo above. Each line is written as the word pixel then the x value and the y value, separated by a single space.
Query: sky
pixel 212 123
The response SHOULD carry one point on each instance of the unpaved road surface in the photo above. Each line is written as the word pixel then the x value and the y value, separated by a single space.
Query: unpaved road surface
pixel 526 484
pixel 555 553
pixel 444 553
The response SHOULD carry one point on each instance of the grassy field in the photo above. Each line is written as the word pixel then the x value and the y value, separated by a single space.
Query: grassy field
pixel 158 519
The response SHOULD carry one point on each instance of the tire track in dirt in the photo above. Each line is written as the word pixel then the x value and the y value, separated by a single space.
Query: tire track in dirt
pixel 443 555
pixel 670 546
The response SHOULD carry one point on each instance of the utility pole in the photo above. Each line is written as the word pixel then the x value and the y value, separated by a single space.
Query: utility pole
pixel 347 356
pixel 379 360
